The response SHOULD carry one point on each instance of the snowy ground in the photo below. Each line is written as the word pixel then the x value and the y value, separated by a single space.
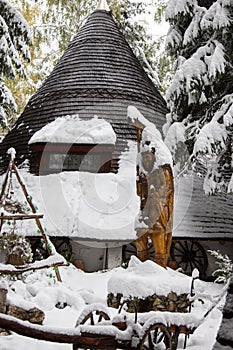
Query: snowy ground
pixel 79 288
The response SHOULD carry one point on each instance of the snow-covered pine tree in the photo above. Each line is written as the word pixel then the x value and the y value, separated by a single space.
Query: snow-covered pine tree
pixel 15 39
pixel 200 96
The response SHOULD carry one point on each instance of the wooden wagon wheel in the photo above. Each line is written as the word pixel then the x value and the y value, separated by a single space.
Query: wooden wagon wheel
pixel 157 337
pixel 130 249
pixel 63 246
pixel 92 318
pixel 189 254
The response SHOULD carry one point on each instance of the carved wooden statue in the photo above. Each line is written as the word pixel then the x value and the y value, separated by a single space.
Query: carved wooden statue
pixel 155 187
pixel 156 191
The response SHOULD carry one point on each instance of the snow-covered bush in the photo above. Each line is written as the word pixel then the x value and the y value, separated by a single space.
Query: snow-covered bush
pixel 224 271
pixel 17 246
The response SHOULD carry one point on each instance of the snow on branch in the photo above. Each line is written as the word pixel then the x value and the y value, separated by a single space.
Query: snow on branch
pixel 216 62
pixel 197 71
pixel 193 30
pixel 211 134
pixel 217 16
pixel 174 38
pixel 177 7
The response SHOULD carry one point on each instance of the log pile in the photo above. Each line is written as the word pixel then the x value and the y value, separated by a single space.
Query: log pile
pixel 172 302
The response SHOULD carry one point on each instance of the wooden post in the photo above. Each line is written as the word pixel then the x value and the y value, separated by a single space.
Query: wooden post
pixel 12 168
pixel 4 185
pixel 36 218
pixel 3 293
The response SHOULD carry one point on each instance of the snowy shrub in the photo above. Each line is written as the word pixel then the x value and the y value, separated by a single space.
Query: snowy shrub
pixel 16 245
pixel 224 271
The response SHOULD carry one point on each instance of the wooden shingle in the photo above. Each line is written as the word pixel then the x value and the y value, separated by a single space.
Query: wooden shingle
pixel 97 75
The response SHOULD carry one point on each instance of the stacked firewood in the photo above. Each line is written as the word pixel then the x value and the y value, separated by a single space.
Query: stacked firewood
pixel 172 302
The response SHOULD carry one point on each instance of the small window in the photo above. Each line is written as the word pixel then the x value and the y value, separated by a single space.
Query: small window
pixel 75 161
pixel 54 158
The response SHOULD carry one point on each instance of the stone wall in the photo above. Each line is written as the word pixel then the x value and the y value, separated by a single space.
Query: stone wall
pixel 172 302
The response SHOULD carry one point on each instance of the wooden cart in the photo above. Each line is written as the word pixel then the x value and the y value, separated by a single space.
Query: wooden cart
pixel 96 329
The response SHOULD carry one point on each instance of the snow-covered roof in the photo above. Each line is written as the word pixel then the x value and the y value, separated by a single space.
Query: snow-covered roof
pixel 97 75
pixel 89 206
pixel 73 130
pixel 82 205
pixel 105 207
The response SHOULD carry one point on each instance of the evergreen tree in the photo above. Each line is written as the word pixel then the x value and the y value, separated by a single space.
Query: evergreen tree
pixel 15 39
pixel 200 96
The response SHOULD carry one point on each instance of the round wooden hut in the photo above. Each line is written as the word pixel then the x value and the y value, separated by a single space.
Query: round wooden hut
pixel 95 81
pixel 74 127
pixel 97 75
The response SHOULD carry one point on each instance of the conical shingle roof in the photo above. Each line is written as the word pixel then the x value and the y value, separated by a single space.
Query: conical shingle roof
pixel 97 75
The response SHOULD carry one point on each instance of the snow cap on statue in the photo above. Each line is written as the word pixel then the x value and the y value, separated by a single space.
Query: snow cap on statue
pixel 151 139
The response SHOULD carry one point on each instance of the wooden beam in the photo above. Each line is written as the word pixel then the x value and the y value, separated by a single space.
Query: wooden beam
pixel 33 267
pixel 21 216
pixel 71 336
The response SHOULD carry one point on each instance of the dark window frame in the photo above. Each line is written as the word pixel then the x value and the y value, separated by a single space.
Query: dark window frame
pixel 41 153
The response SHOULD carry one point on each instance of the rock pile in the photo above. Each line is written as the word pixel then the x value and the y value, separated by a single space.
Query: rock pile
pixel 33 315
pixel 172 302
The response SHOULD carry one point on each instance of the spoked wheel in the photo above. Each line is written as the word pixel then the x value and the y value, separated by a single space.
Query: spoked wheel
pixel 131 249
pixel 157 337
pixel 189 255
pixel 91 318
pixel 63 246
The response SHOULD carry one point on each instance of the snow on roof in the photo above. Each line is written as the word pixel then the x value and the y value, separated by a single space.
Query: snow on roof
pixel 82 205
pixel 87 206
pixel 72 129
pixel 104 207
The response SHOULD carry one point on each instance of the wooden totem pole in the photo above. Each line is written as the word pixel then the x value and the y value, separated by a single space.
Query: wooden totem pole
pixel 155 188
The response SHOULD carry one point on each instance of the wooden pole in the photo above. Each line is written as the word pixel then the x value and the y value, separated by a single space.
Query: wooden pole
pixel 90 341
pixel 28 198
pixel 4 188
pixel 22 269
pixel 12 168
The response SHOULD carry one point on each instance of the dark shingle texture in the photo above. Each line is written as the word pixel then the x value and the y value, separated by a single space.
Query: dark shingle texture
pixel 97 75
pixel 198 215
